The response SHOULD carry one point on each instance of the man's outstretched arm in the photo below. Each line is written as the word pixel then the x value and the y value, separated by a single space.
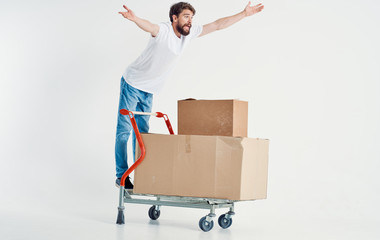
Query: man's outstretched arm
pixel 228 21
pixel 141 23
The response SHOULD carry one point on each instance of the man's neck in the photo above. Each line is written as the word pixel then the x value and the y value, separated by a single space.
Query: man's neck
pixel 176 31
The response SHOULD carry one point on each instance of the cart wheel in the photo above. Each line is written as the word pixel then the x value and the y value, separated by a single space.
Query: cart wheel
pixel 224 222
pixel 206 225
pixel 153 213
pixel 120 217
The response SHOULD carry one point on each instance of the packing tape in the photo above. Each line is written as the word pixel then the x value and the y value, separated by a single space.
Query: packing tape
pixel 187 144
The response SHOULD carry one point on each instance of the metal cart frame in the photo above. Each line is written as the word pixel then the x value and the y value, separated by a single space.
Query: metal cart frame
pixel 206 223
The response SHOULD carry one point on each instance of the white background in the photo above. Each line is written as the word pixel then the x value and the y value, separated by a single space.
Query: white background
pixel 309 70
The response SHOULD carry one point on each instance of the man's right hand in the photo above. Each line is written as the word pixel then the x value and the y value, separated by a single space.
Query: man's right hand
pixel 129 14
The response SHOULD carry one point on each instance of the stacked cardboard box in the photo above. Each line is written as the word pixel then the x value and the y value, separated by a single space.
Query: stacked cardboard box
pixel 213 117
pixel 204 163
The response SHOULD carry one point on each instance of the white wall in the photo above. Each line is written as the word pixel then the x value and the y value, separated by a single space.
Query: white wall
pixel 309 69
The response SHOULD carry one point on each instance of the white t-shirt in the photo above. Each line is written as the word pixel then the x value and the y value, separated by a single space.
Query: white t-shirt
pixel 150 70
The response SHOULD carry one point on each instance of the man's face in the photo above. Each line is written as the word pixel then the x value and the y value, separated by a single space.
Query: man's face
pixel 185 19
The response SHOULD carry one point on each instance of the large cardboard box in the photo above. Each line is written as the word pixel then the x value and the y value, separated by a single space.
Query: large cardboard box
pixel 213 117
pixel 203 166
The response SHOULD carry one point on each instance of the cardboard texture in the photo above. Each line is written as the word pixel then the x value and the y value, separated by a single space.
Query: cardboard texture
pixel 213 117
pixel 203 166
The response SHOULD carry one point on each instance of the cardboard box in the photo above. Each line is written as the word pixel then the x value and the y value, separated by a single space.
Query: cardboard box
pixel 203 166
pixel 213 117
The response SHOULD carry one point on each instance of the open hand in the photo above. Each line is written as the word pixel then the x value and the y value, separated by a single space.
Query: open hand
pixel 250 10
pixel 128 14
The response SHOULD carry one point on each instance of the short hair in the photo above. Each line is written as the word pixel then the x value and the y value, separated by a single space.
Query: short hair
pixel 177 8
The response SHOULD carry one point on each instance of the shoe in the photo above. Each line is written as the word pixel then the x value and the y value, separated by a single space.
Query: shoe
pixel 128 184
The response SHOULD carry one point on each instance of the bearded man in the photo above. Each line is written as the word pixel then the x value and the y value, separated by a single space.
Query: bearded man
pixel 146 75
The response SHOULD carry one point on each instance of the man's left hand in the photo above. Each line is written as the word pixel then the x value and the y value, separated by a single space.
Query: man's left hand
pixel 250 10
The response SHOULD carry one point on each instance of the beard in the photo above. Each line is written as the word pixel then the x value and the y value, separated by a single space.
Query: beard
pixel 182 31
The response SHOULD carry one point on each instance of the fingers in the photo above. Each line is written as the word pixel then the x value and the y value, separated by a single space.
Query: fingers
pixel 258 7
pixel 123 14
pixel 126 8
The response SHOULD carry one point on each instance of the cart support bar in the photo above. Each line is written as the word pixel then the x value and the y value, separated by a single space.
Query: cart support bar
pixel 139 138
pixel 141 145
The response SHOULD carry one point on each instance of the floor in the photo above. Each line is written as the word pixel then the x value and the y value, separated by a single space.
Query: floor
pixel 77 217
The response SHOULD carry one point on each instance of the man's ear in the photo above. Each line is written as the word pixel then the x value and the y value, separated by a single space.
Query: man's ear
pixel 175 18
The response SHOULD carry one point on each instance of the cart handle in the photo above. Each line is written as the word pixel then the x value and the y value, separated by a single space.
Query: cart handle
pixel 139 138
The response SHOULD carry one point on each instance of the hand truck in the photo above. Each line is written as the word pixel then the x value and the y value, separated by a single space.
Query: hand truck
pixel 206 223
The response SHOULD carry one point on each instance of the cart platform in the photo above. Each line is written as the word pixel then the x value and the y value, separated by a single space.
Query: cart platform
pixel 205 223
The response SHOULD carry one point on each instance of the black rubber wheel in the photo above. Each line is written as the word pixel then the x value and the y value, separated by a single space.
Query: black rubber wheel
pixel 224 222
pixel 206 225
pixel 153 213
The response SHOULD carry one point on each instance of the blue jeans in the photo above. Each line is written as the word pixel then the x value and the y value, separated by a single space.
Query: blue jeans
pixel 131 99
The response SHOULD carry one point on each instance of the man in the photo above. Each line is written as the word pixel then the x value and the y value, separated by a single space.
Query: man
pixel 146 75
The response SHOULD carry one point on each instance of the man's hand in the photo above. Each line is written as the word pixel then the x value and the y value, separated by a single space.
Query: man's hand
pixel 141 23
pixel 225 22
pixel 128 14
pixel 249 11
